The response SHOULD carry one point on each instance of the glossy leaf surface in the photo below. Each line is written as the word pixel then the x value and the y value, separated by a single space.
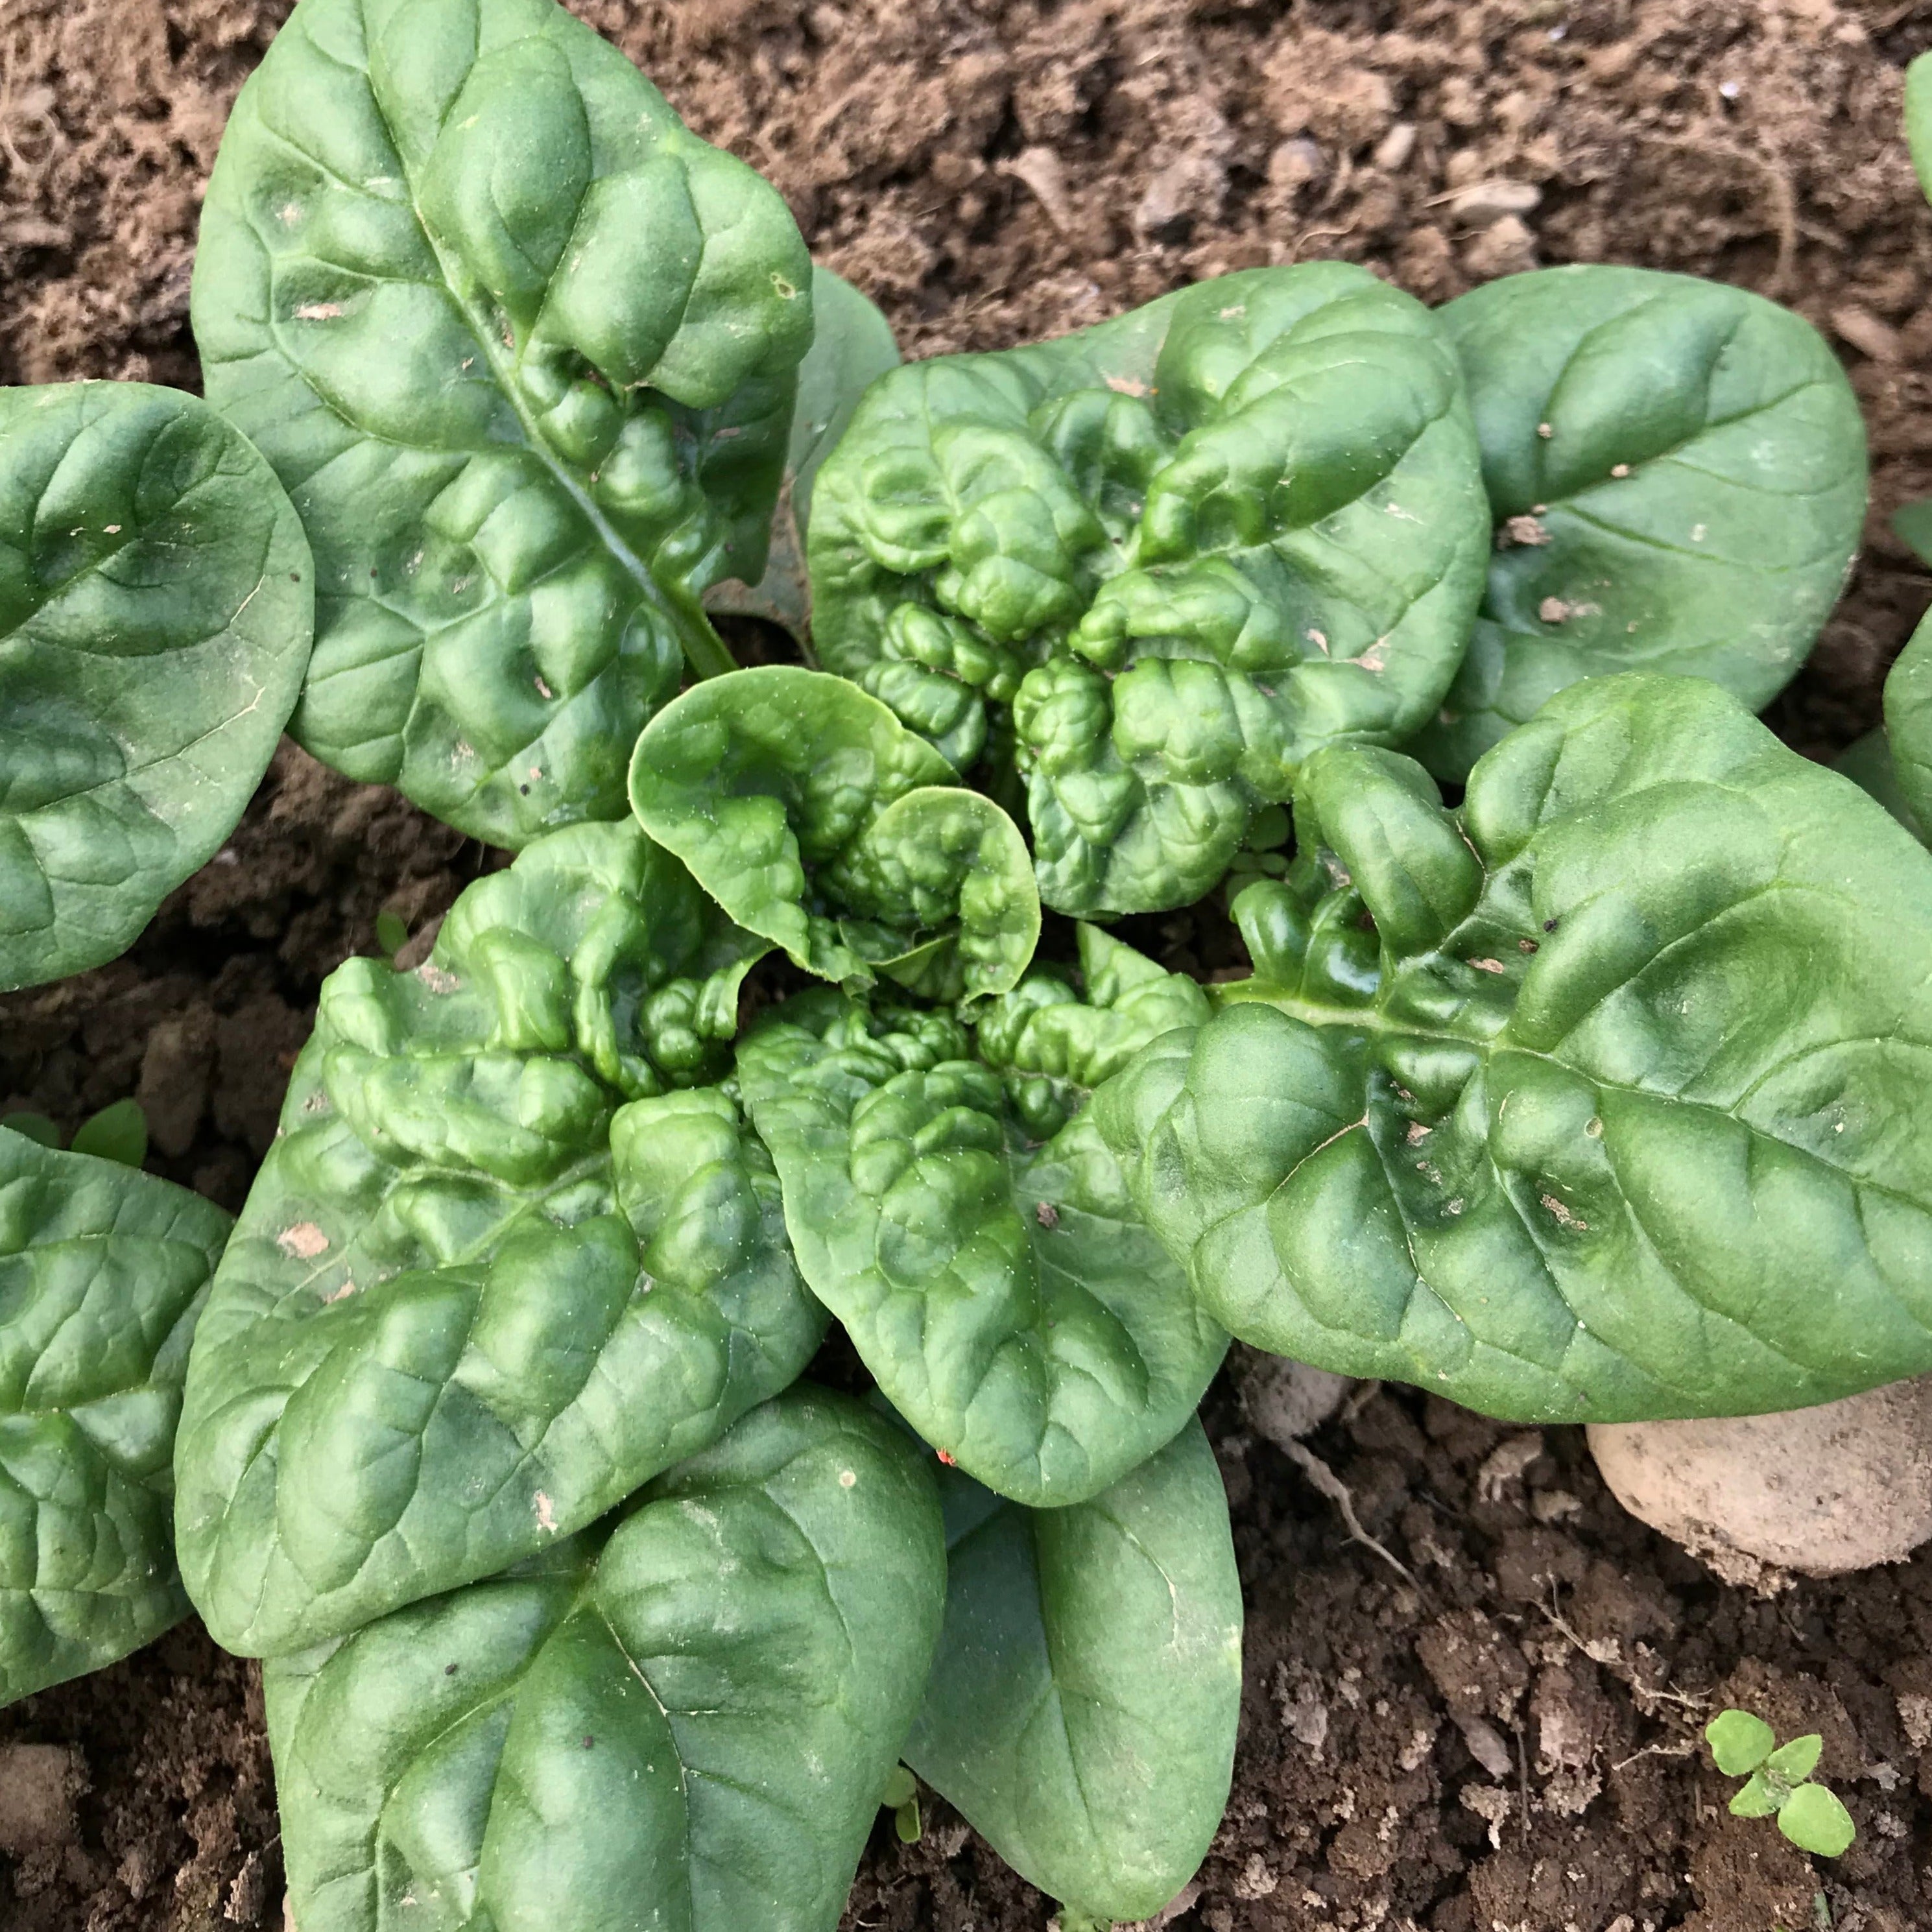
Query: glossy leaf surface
pixel 817 819
pixel 1186 547
pixel 524 351
pixel 510 1255
pixel 1615 1113
pixel 1677 470
pixel 1005 1293
pixel 157 603
pixel 103 1270
pixel 852 346
pixel 684 1725
pixel 1083 1706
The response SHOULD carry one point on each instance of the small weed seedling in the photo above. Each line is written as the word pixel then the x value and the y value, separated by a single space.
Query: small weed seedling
pixel 1777 1782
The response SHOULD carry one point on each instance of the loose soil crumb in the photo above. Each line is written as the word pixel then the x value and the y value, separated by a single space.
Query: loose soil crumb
pixel 1509 1743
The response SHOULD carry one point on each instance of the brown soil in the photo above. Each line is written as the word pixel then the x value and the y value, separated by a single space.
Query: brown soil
pixel 1504 1739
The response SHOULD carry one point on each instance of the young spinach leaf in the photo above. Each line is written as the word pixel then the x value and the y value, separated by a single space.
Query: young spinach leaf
pixel 492 1275
pixel 157 601
pixel 1083 1706
pixel 1005 1293
pixel 1869 764
pixel 1677 469
pixel 818 820
pixel 683 1722
pixel 1611 1115
pixel 1187 547
pixel 103 1270
pixel 525 350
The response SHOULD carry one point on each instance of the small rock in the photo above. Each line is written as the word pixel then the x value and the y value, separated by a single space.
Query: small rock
pixel 38 1785
pixel 1039 170
pixel 1866 333
pixel 176 1068
pixel 1484 203
pixel 1394 149
pixel 1505 247
pixel 1294 164
pixel 1184 189
pixel 1485 1745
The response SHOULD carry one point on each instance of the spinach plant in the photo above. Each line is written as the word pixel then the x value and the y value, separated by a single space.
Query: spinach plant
pixel 546 1236
pixel 525 351
pixel 1777 1782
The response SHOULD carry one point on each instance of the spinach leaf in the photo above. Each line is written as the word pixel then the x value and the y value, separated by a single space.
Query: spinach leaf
pixel 509 1258
pixel 1677 469
pixel 683 1722
pixel 1613 1114
pixel 1055 1047
pixel 524 351
pixel 1869 764
pixel 103 1270
pixel 1908 720
pixel 1186 546
pixel 1083 1706
pixel 852 345
pixel 157 602
pixel 1005 1293
pixel 818 820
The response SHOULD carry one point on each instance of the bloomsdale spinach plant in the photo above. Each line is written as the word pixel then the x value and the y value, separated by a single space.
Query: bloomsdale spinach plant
pixel 1593 1096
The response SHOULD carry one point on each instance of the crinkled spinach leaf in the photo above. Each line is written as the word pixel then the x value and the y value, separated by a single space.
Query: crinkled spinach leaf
pixel 103 1270
pixel 817 819
pixel 1186 547
pixel 1908 720
pixel 1055 1044
pixel 509 1258
pixel 1677 469
pixel 1083 1705
pixel 157 603
pixel 1006 1294
pixel 1618 1110
pixel 524 351
pixel 683 1722
pixel 852 346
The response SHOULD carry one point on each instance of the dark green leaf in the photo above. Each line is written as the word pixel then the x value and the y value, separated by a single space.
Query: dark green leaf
pixel 852 346
pixel 37 1127
pixel 102 1273
pixel 525 350
pixel 117 1133
pixel 817 819
pixel 392 933
pixel 684 1727
pixel 1677 469
pixel 1083 1706
pixel 1604 1099
pixel 1006 1294
pixel 1186 546
pixel 156 601
pixel 509 1257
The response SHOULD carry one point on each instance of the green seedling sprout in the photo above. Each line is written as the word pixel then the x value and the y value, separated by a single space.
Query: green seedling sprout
pixel 1777 1782
pixel 119 1133
pixel 901 1798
